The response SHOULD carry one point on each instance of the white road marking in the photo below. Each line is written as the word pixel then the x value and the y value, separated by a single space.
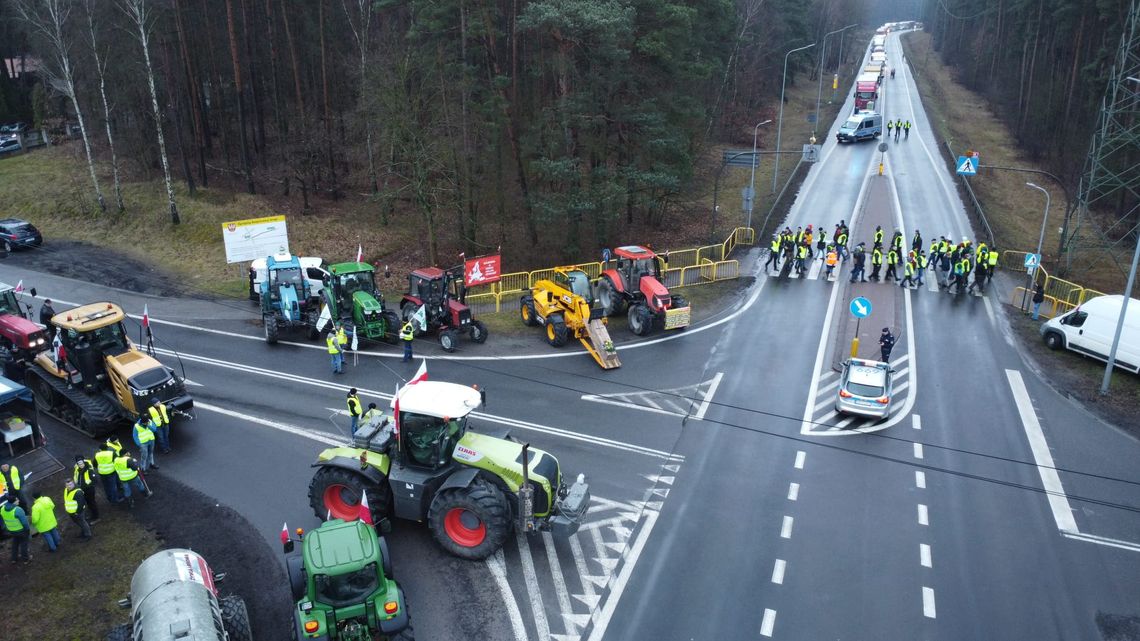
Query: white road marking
pixel 601 618
pixel 778 571
pixel 826 388
pixel 800 457
pixel 918 450
pixel 924 555
pixel 916 422
pixel 606 401
pixel 1058 502
pixel 573 622
pixel 827 402
pixel 923 515
pixel 315 435
pixel 1103 540
pixel 920 479
pixel 700 415
pixel 813 271
pixel 928 610
pixel 498 568
pixel 588 596
pixel 541 625
pixel 769 622
pixel 786 527
pixel 793 491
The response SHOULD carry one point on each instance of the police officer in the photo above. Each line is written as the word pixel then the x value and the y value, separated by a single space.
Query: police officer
pixel 354 411
pixel 335 353
pixel 75 504
pixel 105 469
pixel 160 418
pixel 407 335
pixel 83 473
pixel 886 344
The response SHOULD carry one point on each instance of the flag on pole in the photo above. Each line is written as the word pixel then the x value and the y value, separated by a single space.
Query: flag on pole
pixel 359 253
pixel 324 319
pixel 420 318
pixel 355 340
pixel 365 511
pixel 19 286
pixel 146 320
pixel 284 533
pixel 421 373
pixel 396 416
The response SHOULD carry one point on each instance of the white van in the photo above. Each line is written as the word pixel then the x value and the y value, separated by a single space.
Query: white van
pixel 1089 329
pixel 864 125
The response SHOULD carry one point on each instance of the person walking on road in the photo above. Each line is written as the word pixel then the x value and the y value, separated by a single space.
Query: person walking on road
pixel 83 473
pixel 105 468
pixel 831 261
pixel 1038 298
pixel 335 353
pixel 857 272
pixel 821 241
pixel 876 262
pixel 43 519
pixel 353 410
pixel 908 274
pixel 916 241
pixel 773 254
pixel 898 129
pixel 922 262
pixel 143 433
pixel 886 344
pixel 890 128
pixel 991 264
pixel 892 265
pixel 407 335
pixel 75 504
pixel 16 523
pixel 906 130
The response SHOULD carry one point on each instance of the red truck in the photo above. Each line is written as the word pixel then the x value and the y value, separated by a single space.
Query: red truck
pixel 866 90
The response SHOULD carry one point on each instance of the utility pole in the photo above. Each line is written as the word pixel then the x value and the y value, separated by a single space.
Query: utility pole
pixel 780 123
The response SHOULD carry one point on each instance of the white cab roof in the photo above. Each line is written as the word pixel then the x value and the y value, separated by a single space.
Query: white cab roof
pixel 439 399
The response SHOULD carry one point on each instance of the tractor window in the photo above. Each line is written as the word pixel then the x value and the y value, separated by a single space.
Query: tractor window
pixel 424 436
pixel 290 276
pixel 8 304
pixel 347 589
pixel 107 340
pixel 644 267
pixel 561 280
pixel 580 285
pixel 352 283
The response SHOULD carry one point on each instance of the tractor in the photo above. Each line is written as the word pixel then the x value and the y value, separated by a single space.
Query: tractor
pixel 343 587
pixel 20 337
pixel 287 298
pixel 352 298
pixel 632 281
pixel 564 305
pixel 425 462
pixel 443 295
pixel 106 378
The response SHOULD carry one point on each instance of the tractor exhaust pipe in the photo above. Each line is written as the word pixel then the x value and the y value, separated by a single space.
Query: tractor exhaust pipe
pixel 526 494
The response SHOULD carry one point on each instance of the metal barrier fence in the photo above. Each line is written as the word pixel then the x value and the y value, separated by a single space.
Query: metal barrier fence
pixel 686 267
pixel 1063 295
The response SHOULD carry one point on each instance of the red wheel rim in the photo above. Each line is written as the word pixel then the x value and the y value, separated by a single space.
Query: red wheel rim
pixel 336 504
pixel 464 527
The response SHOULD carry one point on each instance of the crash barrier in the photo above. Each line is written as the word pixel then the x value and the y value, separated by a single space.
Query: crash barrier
pixel 686 267
pixel 1060 295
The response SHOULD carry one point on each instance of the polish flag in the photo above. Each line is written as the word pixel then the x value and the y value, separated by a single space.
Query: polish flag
pixel 284 533
pixel 365 511
pixel 146 319
pixel 359 253
pixel 19 286
pixel 421 373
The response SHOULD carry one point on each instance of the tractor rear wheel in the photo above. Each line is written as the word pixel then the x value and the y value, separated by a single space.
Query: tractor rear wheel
pixel 478 332
pixel 235 619
pixel 556 332
pixel 447 340
pixel 470 522
pixel 270 322
pixel 526 311
pixel 336 492
pixel 640 322
pixel 613 303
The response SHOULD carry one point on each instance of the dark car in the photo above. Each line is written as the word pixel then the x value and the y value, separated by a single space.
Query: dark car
pixel 19 233
pixel 10 145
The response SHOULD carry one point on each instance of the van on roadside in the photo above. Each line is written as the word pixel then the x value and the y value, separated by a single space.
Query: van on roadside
pixel 864 125
pixel 1089 330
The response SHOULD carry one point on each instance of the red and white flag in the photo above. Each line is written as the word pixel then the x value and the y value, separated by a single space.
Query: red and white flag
pixel 421 373
pixel 19 286
pixel 146 319
pixel 396 416
pixel 365 511
pixel 359 253
pixel 284 533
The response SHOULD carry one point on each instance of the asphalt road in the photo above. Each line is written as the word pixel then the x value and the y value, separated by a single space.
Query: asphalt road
pixel 990 507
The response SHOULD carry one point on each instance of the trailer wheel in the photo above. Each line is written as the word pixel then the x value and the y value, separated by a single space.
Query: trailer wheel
pixel 470 522
pixel 235 619
pixel 336 492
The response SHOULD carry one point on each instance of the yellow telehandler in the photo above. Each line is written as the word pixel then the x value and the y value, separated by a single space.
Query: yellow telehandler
pixel 564 305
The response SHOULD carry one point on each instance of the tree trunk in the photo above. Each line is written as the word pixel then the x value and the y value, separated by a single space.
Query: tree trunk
pixel 193 94
pixel 275 82
pixel 176 111
pixel 240 94
pixel 325 94
pixel 254 87
pixel 100 72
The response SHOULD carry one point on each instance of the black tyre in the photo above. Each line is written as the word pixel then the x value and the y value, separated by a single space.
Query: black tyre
pixel 526 311
pixel 1053 340
pixel 448 339
pixel 391 326
pixel 478 332
pixel 407 634
pixel 407 311
pixel 556 332
pixel 606 294
pixel 270 322
pixel 235 619
pixel 680 301
pixel 640 321
pixel 311 320
pixel 295 568
pixel 119 633
pixel 7 247
pixel 470 522
pixel 385 557
pixel 336 492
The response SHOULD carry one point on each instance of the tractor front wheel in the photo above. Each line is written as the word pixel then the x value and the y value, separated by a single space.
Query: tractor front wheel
pixel 470 522
pixel 640 322
pixel 478 332
pixel 526 311
pixel 335 493
pixel 556 332
pixel 270 322
pixel 447 340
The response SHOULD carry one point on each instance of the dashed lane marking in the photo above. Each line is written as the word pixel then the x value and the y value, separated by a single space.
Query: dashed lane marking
pixel 924 556
pixel 920 479
pixel 801 456
pixel 786 527
pixel 918 451
pixel 923 515
pixel 928 609
pixel 769 622
pixel 778 571
pixel 793 491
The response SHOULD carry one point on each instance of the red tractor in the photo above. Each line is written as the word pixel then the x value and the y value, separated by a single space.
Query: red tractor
pixel 631 280
pixel 442 293
pixel 20 338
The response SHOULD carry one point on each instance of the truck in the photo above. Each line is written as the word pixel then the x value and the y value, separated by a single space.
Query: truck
pixel 866 90
pixel 1089 330
pixel 876 69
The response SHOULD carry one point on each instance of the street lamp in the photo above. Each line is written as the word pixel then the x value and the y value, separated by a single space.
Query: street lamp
pixel 755 161
pixel 1040 239
pixel 822 60
pixel 780 118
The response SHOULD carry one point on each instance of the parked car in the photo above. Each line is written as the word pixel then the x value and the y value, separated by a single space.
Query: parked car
pixel 10 145
pixel 14 128
pixel 865 388
pixel 1090 328
pixel 15 232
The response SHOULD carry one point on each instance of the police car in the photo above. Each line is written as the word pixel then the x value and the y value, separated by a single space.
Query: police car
pixel 865 388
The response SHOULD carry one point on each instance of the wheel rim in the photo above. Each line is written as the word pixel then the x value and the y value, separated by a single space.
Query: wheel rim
pixel 550 331
pixel 525 313
pixel 337 504
pixel 447 341
pixel 464 527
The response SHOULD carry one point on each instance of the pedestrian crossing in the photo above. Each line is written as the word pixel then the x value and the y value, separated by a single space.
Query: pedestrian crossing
pixel 824 418
pixel 817 271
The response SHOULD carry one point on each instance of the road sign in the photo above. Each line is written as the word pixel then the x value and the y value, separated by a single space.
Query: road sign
pixel 968 165
pixel 860 307
pixel 811 153
pixel 606 255
pixel 1032 260
pixel 741 158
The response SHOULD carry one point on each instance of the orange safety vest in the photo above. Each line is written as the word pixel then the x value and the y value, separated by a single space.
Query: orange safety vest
pixel 832 259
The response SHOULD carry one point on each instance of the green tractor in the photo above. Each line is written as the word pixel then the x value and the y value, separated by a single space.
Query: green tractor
pixel 343 586
pixel 426 463
pixel 353 299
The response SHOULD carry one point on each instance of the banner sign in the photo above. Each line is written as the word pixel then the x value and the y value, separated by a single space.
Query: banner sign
pixel 254 238
pixel 483 270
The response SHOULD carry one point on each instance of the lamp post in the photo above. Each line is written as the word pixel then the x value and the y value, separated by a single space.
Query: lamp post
pixel 1040 239
pixel 780 118
pixel 752 181
pixel 822 60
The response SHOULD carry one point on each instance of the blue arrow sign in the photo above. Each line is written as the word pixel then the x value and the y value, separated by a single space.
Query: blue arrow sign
pixel 860 307
pixel 1032 260
pixel 967 165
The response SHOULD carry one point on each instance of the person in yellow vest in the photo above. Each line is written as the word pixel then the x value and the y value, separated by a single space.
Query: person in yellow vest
pixel 876 262
pixel 160 417
pixel 992 263
pixel 75 504
pixel 83 473
pixel 774 253
pixel 892 264
pixel 127 469
pixel 16 524
pixel 354 410
pixel 143 433
pixel 105 469
pixel 371 416
pixel 335 352
pixel 43 519
pixel 407 335
pixel 15 484
pixel 113 443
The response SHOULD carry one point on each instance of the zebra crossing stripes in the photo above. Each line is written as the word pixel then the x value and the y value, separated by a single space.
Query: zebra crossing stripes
pixel 816 271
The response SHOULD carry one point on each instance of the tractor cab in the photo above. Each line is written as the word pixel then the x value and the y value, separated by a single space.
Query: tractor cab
pixel 429 285
pixel 635 261
pixel 285 287
pixel 350 279
pixel 576 282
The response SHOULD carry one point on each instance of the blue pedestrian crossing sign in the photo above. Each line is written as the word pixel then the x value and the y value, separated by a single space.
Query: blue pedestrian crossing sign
pixel 968 165
pixel 1032 261
pixel 860 307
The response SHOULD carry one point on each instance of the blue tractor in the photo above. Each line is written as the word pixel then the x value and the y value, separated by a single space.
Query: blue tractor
pixel 287 299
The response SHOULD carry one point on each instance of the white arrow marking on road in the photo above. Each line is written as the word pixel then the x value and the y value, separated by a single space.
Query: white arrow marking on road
pixel 192 383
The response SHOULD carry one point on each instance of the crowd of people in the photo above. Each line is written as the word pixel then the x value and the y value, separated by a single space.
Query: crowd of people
pixel 113 469
pixel 959 267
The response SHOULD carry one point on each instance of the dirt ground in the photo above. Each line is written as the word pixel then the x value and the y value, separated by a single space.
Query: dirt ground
pixel 91 263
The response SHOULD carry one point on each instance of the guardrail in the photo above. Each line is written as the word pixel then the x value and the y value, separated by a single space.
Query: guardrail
pixel 686 268
pixel 1064 294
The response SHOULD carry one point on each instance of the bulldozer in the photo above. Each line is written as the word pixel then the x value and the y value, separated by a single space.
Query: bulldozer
pixel 443 294
pixel 565 306
pixel 106 379
pixel 631 283
pixel 352 298
pixel 287 299
pixel 426 462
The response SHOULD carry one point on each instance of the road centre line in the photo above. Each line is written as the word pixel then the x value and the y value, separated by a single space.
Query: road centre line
pixel 700 415
pixel 498 567
pixel 920 479
pixel 918 451
pixel 928 609
pixel 526 425
pixel 793 491
pixel 786 527
pixel 1054 490
pixel 778 571
pixel 916 422
pixel 924 556
pixel 800 457
pixel 769 622
pixel 315 435
pixel 923 515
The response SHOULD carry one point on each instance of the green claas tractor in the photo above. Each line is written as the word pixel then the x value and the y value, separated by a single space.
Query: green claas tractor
pixel 426 463
pixel 343 587
pixel 353 299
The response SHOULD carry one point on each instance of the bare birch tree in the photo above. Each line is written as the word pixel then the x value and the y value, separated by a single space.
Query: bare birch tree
pixel 101 72
pixel 361 25
pixel 138 11
pixel 48 18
